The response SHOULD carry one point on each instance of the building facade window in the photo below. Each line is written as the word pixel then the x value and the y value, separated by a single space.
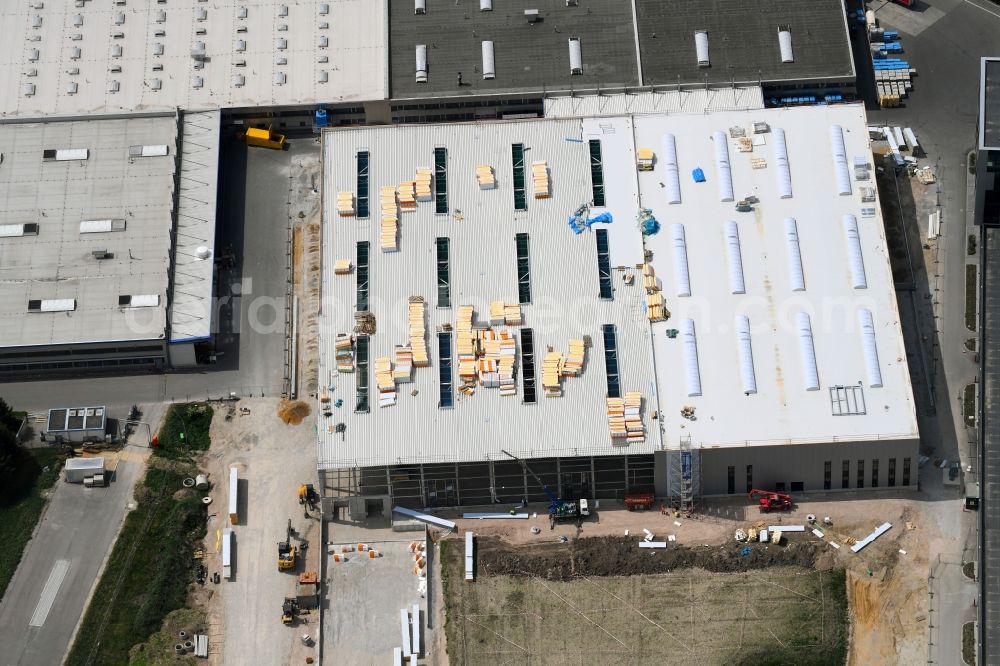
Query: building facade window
pixel 875 473
pixel 845 479
pixel 906 471
pixel 749 478
pixel 891 480
pixel 861 474
pixel 827 473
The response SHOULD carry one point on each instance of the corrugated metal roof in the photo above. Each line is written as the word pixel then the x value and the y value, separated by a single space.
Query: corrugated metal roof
pixel 694 100
pixel 481 225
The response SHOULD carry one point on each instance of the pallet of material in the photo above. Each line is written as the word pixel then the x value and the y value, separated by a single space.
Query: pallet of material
pixel 407 195
pixel 384 381
pixel 423 185
pixel 654 307
pixel 616 421
pixel 573 365
pixel 551 372
pixel 485 177
pixel 389 222
pixel 342 267
pixel 512 314
pixel 402 372
pixel 636 431
pixel 345 204
pixel 649 281
pixel 540 179
pixel 644 159
pixel 497 313
pixel 464 338
pixel 344 349
pixel 418 332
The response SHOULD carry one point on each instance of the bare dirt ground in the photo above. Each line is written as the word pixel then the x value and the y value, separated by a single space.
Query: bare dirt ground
pixel 306 215
pixel 887 589
pixel 273 458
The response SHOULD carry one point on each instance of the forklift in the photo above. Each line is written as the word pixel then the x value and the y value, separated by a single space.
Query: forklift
pixel 289 611
pixel 308 498
pixel 286 551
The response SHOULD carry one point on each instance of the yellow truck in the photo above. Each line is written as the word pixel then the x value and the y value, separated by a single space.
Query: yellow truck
pixel 265 138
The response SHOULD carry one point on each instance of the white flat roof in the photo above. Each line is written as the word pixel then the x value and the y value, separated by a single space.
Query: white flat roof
pixel 57 262
pixel 782 410
pixel 137 56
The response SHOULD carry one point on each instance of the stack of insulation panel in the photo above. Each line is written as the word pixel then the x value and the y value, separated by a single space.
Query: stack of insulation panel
pixel 465 344
pixel 345 204
pixel 574 360
pixel 497 313
pixel 485 177
pixel 616 421
pixel 385 382
pixel 551 373
pixel 344 348
pixel 633 417
pixel 389 223
pixel 407 196
pixel 402 372
pixel 342 267
pixel 540 179
pixel 418 332
pixel 423 185
pixel 512 314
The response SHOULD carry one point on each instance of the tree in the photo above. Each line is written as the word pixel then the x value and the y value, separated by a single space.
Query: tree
pixel 11 458
pixel 8 417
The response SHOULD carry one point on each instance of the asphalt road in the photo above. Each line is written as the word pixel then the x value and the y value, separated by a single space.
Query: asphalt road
pixel 49 592
pixel 254 221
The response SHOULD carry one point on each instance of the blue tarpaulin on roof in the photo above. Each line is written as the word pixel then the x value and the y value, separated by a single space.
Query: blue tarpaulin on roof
pixel 698 175
pixel 579 221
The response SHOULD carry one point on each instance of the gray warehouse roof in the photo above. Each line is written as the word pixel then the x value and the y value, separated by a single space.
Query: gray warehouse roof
pixel 53 288
pixel 989 105
pixel 528 56
pixel 742 40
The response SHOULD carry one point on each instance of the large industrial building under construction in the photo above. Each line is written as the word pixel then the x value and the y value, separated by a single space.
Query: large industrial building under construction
pixel 679 304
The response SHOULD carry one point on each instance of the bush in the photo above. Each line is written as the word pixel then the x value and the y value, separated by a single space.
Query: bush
pixel 185 430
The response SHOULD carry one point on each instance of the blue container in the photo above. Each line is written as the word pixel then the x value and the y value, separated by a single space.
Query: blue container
pixel 321 119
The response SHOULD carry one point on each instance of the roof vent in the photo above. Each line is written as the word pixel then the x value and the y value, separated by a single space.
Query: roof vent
pixel 138 300
pixel 78 20
pixel 279 78
pixel 161 16
pixel 101 226
pixel 52 305
pixel 33 55
pixel 200 14
pixel 281 43
pixel 324 76
pixel 240 45
pixel 155 84
pixel 785 44
pixel 324 41
pixel 282 11
pixel 153 150
pixel 324 9
pixel 16 230
pixel 421 63
pixel 238 80
pixel 701 48
pixel 807 351
pixel 485 5
pixel 114 86
pixel 203 252
pixel 489 68
pixel 120 18
pixel 75 53
pixel 532 15
pixel 28 89
pixel 197 82
pixel 101 255
pixel 419 6
pixel 241 12
pixel 116 50
pixel 36 21
pixel 72 87
pixel 575 56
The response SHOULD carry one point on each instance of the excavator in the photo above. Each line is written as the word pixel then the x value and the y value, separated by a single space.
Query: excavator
pixel 308 498
pixel 771 501
pixel 286 551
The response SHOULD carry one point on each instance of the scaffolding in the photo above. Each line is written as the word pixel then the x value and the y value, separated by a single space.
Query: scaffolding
pixel 684 480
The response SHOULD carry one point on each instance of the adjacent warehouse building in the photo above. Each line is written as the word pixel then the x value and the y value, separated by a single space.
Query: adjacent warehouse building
pixel 90 238
pixel 756 365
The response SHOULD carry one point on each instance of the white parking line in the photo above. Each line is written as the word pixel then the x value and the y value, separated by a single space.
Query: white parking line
pixel 978 6
pixel 49 592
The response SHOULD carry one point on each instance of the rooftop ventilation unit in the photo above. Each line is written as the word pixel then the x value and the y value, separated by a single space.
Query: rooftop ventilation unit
pixel 280 60
pixel 810 375
pixel 101 255
pixel 532 15
pixel 16 230
pixel 155 84
pixel 138 300
pixel 239 45
pixel 75 53
pixel 323 77
pixel 323 25
pixel 737 285
pixel 489 68
pixel 200 14
pixel 282 11
pixel 28 89
pixel 795 274
pixel 324 41
pixel 157 49
pixel 692 372
pixel 485 5
pixel 575 56
pixel 324 9
pixel 681 276
pixel 114 86
pixel 72 87
pixel 241 12
pixel 115 69
pixel 31 72
pixel 839 153
pixel 669 159
pixel 73 71
pixel 76 37
pixel 238 80
pixel 116 50
pixel 156 150
pixel 854 258
pixel 701 48
pixel 120 18
pixel 419 6
pixel 279 78
pixel 783 171
pixel 197 82
pixel 283 27
pixel 118 34
pixel 867 325
pixel 161 16
pixel 65 154
pixel 101 226
pixel 78 20
pixel 52 305
pixel 321 59
pixel 36 21
pixel 745 350
pixel 281 44
pixel 722 168
pixel 421 63
pixel 33 55
pixel 785 44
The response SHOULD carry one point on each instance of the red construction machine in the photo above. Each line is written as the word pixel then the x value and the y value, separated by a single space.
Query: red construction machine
pixel 771 501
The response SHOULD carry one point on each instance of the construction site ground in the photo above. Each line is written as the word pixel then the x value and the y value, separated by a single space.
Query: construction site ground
pixel 886 589
pixel 273 459
pixel 362 621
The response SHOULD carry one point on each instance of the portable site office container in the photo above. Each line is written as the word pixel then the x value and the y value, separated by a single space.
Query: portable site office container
pixel 227 554
pixel 470 562
pixel 233 495
pixel 78 469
